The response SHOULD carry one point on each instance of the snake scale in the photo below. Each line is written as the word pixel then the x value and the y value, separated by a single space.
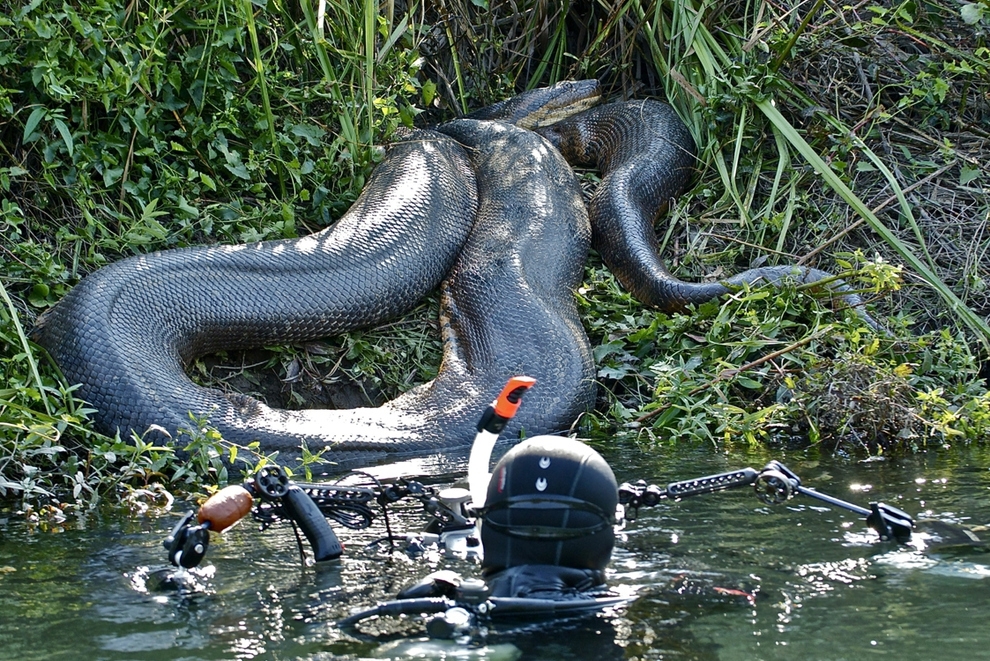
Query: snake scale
pixel 488 210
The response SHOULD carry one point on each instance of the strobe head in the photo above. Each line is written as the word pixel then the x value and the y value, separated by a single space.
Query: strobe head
pixel 550 501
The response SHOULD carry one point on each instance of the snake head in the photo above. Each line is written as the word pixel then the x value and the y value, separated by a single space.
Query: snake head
pixel 544 106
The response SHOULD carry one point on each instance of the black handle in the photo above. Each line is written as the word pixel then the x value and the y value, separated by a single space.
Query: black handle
pixel 301 509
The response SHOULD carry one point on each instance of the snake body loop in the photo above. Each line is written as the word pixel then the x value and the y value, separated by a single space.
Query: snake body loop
pixel 489 206
pixel 127 332
pixel 646 156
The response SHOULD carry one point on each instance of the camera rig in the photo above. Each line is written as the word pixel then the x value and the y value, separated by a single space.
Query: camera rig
pixel 270 496
pixel 452 523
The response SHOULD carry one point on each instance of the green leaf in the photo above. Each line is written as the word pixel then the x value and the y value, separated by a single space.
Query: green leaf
pixel 239 170
pixel 38 295
pixel 30 7
pixel 429 92
pixel 972 13
pixel 607 349
pixel 310 132
pixel 940 88
pixel 66 134
pixel 32 122
pixel 184 206
pixel 149 211
pixel 112 175
pixel 614 373
pixel 236 166
pixel 968 174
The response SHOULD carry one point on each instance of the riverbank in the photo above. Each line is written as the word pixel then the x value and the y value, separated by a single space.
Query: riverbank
pixel 851 139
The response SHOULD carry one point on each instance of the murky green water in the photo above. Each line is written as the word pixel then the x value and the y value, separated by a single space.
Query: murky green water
pixel 825 588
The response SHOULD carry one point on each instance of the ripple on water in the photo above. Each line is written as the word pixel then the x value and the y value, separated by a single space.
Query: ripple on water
pixel 718 577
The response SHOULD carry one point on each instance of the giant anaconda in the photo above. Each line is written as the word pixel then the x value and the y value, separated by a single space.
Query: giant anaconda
pixel 489 208
pixel 646 155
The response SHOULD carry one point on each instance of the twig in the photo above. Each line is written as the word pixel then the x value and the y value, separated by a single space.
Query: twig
pixel 755 246
pixel 779 60
pixel 127 170
pixel 877 209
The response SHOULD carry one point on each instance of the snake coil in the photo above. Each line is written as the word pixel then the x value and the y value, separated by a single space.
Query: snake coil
pixel 490 210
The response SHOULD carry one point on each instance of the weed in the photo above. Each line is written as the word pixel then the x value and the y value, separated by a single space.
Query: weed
pixel 826 133
pixel 131 128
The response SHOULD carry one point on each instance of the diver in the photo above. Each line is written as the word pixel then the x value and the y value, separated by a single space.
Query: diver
pixel 545 516
pixel 542 522
pixel 547 522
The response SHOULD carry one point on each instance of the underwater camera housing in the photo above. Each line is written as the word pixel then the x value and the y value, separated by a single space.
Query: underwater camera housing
pixel 550 501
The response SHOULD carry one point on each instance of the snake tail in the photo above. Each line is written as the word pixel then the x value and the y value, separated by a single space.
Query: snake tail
pixel 646 157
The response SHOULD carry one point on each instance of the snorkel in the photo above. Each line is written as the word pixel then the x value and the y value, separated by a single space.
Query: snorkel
pixel 492 422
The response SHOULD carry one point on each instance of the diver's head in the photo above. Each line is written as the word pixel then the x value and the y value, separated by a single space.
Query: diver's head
pixel 551 501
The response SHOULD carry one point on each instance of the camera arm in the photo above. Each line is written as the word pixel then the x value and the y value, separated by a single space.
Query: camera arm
pixel 774 484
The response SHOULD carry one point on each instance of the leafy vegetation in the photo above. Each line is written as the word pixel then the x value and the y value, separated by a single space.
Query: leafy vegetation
pixel 851 138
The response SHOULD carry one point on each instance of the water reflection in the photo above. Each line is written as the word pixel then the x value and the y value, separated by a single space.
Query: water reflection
pixel 715 577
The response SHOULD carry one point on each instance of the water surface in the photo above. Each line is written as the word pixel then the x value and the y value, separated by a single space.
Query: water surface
pixel 823 587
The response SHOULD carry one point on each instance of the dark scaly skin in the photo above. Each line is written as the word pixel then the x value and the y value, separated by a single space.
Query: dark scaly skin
pixel 508 306
pixel 126 332
pixel 646 156
pixel 544 106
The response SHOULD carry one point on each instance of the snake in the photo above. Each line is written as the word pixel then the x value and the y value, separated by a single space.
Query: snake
pixel 647 156
pixel 486 207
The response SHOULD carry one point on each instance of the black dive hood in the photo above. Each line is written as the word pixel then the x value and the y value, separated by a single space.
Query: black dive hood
pixel 551 501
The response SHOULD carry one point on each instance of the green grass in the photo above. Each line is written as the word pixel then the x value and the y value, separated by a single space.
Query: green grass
pixel 851 139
